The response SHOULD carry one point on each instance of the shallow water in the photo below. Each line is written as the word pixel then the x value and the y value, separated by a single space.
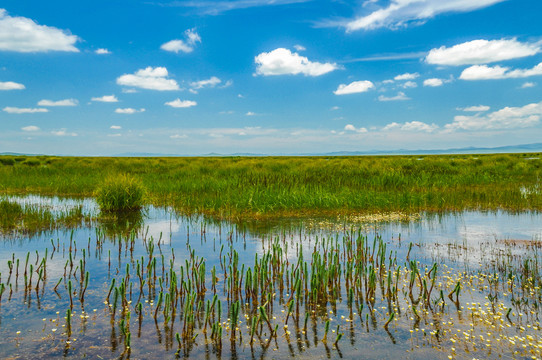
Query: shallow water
pixel 467 247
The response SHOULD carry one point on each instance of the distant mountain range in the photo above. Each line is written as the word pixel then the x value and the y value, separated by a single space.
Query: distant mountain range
pixel 527 148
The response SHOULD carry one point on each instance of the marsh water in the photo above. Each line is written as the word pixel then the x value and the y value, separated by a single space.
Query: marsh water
pixel 170 272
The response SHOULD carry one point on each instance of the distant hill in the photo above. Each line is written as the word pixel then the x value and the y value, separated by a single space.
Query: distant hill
pixel 536 147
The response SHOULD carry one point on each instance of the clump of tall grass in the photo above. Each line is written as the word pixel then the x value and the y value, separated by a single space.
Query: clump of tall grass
pixel 120 193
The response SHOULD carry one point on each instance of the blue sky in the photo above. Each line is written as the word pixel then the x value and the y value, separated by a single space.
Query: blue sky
pixel 268 76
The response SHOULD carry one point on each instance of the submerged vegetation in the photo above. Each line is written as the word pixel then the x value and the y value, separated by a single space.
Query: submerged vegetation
pixel 232 187
pixel 292 295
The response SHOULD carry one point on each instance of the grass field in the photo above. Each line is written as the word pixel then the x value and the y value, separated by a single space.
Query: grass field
pixel 295 186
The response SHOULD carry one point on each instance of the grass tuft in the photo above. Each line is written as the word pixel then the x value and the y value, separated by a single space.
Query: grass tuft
pixel 120 193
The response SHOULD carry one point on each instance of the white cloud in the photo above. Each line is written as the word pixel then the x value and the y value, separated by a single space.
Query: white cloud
pixel 283 62
pixel 106 98
pixel 10 85
pixel 506 118
pixel 406 76
pixel 177 136
pixel 350 127
pixel 149 78
pixel 212 82
pixel 62 132
pixel 476 108
pixel 528 85
pixel 414 126
pixel 30 128
pixel 250 113
pixel 400 13
pixel 484 72
pixel 116 127
pixel 300 47
pixel 16 110
pixel 478 52
pixel 65 102
pixel 433 82
pixel 128 111
pixel 409 85
pixel 354 87
pixel 21 34
pixel 102 51
pixel 178 103
pixel 335 108
pixel 215 7
pixel 399 97
pixel 187 45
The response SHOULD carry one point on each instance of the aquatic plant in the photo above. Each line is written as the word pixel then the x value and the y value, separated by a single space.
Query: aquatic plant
pixel 119 193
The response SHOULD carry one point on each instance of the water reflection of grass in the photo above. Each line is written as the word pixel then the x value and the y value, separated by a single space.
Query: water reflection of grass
pixel 236 187
pixel 34 219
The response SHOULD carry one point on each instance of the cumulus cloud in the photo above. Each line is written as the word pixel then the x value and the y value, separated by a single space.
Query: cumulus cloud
pixel 30 128
pixel 506 118
pixel 250 113
pixel 10 85
pixel 476 108
pixel 187 45
pixel 16 110
pixel 102 51
pixel 65 102
pixel 433 82
pixel 528 85
pixel 484 72
pixel 400 13
pixel 401 96
pixel 128 111
pixel 283 62
pixel 115 127
pixel 178 103
pixel 478 52
pixel 414 126
pixel 300 47
pixel 21 34
pixel 211 82
pixel 106 98
pixel 149 78
pixel 354 87
pixel 407 76
pixel 350 127
pixel 179 136
pixel 63 132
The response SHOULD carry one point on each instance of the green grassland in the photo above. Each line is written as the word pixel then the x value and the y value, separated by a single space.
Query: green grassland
pixel 235 187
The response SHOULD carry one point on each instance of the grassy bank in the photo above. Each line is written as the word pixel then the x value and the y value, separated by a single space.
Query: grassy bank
pixel 277 186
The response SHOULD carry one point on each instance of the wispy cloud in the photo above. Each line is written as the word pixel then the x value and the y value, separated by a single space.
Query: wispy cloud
pixel 187 45
pixel 21 34
pixel 17 110
pixel 414 126
pixel 65 102
pixel 129 111
pixel 220 6
pixel 63 132
pixel 401 96
pixel 30 128
pixel 401 13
